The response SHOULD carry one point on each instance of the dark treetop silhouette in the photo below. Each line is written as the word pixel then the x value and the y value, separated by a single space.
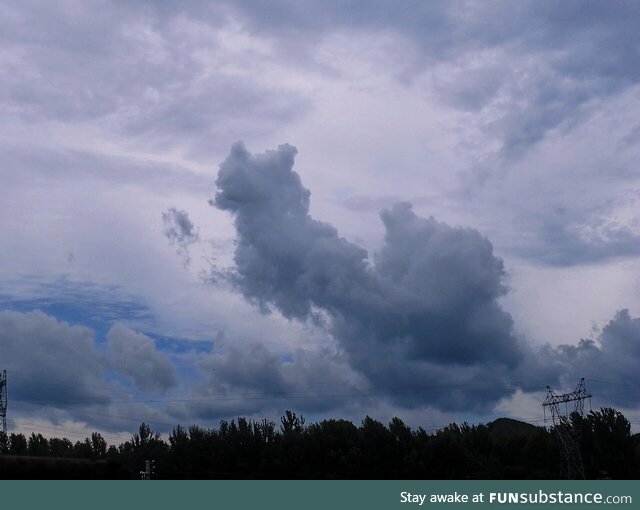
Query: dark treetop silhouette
pixel 332 448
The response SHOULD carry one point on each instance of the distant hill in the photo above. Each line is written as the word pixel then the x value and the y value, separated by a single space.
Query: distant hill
pixel 508 427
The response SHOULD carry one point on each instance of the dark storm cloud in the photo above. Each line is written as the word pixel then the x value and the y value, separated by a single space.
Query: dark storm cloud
pixel 180 232
pixel 610 363
pixel 136 356
pixel 425 312
pixel 283 256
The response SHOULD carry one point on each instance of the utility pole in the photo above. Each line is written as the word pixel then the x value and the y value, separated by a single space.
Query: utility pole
pixel 149 470
pixel 568 436
pixel 3 402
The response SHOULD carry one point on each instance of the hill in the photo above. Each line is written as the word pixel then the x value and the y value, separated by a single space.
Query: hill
pixel 508 427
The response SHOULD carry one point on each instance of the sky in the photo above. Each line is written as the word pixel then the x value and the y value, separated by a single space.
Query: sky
pixel 216 209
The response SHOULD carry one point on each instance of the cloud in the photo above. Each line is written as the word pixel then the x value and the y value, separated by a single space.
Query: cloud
pixel 559 245
pixel 178 85
pixel 190 68
pixel 610 363
pixel 631 138
pixel 135 355
pixel 60 373
pixel 180 232
pixel 128 103
pixel 282 255
pixel 542 70
pixel 425 311
pixel 582 235
pixel 38 351
pixel 251 379
pixel 75 301
pixel 41 166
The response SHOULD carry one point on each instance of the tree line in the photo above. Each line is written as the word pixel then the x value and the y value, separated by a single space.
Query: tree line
pixel 338 449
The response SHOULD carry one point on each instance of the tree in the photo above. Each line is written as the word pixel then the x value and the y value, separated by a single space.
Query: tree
pixel 291 423
pixel 401 432
pixel 144 445
pixel 379 450
pixel 98 445
pixel 60 447
pixel 37 445
pixel 4 443
pixel 145 436
pixel 609 446
pixel 83 449
pixel 17 444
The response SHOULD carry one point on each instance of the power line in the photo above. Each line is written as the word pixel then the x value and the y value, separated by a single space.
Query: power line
pixel 433 388
pixel 68 383
pixel 462 388
pixel 138 419
pixel 617 383
pixel 331 393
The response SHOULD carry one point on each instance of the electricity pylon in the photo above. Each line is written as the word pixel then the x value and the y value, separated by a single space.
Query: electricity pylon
pixel 3 402
pixel 568 436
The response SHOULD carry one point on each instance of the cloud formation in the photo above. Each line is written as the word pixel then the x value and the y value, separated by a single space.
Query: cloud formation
pixel 108 120
pixel 251 380
pixel 611 361
pixel 38 351
pixel 173 87
pixel 136 356
pixel 540 71
pixel 180 232
pixel 560 240
pixel 61 372
pixel 424 311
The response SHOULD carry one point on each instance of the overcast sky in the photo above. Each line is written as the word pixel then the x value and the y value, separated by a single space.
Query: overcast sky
pixel 213 209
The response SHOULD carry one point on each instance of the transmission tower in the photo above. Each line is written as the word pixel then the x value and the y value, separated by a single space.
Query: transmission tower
pixel 568 436
pixel 3 402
